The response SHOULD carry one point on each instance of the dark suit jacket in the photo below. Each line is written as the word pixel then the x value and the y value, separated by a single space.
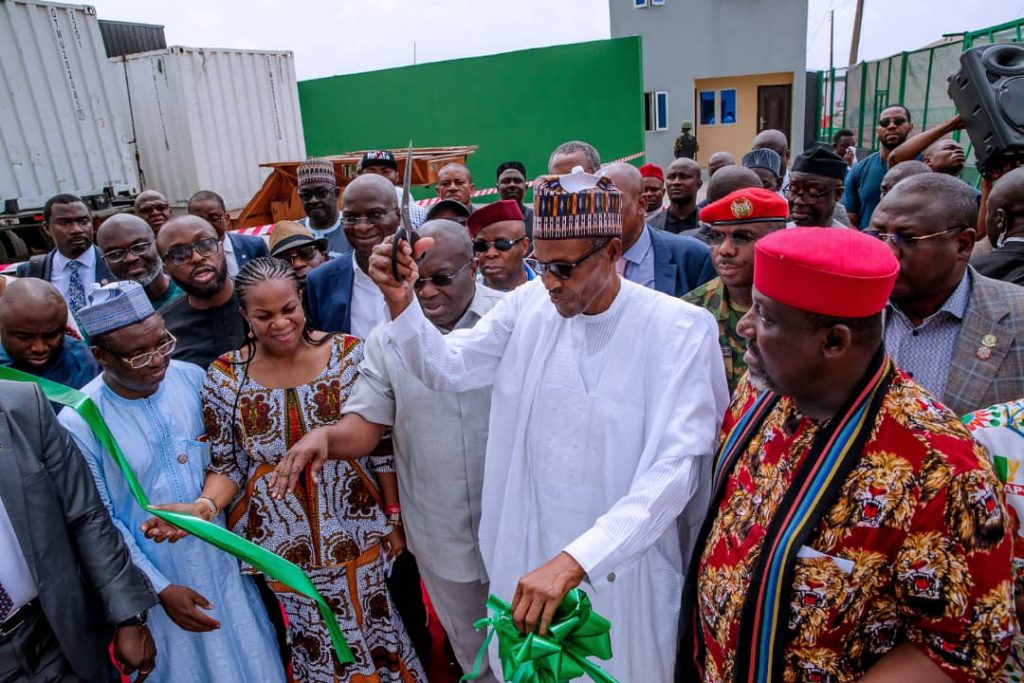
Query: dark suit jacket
pixel 247 248
pixel 996 308
pixel 681 263
pixel 78 559
pixel 1005 263
pixel 103 274
pixel 329 295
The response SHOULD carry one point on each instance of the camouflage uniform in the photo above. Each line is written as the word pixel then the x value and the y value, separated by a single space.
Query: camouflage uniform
pixel 714 297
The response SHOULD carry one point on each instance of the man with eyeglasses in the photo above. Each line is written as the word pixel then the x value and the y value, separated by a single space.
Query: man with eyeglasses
pixel 864 182
pixel 439 441
pixel 815 188
pixel 211 624
pixel 500 245
pixel 294 243
pixel 455 182
pixel 238 249
pixel 318 192
pixel 34 338
pixel 735 223
pixel 153 207
pixel 74 263
pixel 606 400
pixel 128 246
pixel 383 163
pixel 957 333
pixel 206 321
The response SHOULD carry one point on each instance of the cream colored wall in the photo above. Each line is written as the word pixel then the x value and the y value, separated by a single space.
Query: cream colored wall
pixel 734 138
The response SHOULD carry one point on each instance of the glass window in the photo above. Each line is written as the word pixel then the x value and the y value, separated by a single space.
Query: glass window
pixel 728 106
pixel 661 110
pixel 707 108
pixel 657 3
pixel 639 3
pixel 649 113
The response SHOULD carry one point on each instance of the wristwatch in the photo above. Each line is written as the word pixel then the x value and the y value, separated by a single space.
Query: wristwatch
pixel 138 620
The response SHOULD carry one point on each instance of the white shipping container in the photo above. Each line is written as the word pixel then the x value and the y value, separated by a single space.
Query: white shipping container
pixel 64 118
pixel 206 119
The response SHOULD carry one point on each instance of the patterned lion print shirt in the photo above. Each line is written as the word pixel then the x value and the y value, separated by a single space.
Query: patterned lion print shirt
pixel 916 548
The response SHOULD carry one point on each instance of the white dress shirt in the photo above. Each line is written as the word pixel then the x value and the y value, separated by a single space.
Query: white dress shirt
pixel 368 307
pixel 229 256
pixel 60 273
pixel 14 571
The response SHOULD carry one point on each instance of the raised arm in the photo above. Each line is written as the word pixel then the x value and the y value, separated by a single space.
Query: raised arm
pixel 916 145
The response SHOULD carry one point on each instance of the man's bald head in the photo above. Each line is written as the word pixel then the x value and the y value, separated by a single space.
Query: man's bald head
pixel 901 172
pixel 774 140
pixel 449 237
pixel 634 206
pixel 33 318
pixel 184 230
pixel 119 224
pixel 153 208
pixel 1005 209
pixel 730 179
pixel 119 239
pixel 375 184
pixel 718 161
pixel 451 260
pixel 28 295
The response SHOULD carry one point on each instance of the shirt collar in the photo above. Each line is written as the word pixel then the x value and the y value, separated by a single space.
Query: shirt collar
pixel 954 305
pixel 229 245
pixel 87 259
pixel 638 252
pixel 326 231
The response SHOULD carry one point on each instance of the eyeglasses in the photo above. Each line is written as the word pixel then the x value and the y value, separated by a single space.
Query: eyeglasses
pixel 118 255
pixel 440 280
pixel 482 246
pixel 375 218
pixel 808 193
pixel 305 253
pixel 319 193
pixel 560 269
pixel 740 238
pixel 143 359
pixel 895 120
pixel 898 239
pixel 177 256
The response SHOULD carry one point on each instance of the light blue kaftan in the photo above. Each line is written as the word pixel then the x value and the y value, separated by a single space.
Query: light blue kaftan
pixel 159 436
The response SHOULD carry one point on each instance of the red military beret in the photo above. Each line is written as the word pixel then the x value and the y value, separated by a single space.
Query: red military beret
pixel 504 210
pixel 829 271
pixel 652 171
pixel 746 205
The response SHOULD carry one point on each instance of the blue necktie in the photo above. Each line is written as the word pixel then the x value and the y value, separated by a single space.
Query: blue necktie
pixel 5 603
pixel 76 290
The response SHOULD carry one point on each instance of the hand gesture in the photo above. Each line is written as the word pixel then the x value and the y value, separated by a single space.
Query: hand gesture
pixel 540 592
pixel 310 450
pixel 394 543
pixel 134 650
pixel 397 294
pixel 180 604
pixel 159 530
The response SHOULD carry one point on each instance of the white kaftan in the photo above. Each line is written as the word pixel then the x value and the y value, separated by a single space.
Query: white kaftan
pixel 602 430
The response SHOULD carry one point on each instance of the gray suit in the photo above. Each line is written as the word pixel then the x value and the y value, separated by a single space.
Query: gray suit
pixel 78 560
pixel 984 374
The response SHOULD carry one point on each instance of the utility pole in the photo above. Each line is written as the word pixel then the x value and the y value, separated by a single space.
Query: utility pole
pixel 855 43
pixel 831 69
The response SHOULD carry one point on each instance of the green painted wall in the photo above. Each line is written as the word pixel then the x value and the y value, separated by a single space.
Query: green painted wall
pixel 516 105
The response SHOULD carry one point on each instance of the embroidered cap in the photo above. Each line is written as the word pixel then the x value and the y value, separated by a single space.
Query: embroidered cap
pixel 505 210
pixel 114 306
pixel 577 205
pixel 763 158
pixel 840 273
pixel 652 171
pixel 746 205
pixel 313 171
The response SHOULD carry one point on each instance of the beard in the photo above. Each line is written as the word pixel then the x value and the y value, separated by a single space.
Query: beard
pixel 152 274
pixel 209 290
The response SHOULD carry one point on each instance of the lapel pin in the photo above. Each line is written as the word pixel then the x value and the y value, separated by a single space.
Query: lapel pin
pixel 989 340
pixel 983 353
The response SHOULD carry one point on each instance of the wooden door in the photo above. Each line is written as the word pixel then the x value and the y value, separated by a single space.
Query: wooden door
pixel 774 108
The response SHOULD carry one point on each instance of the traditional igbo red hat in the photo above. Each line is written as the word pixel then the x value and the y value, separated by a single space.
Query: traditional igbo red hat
pixel 652 171
pixel 746 205
pixel 504 210
pixel 829 271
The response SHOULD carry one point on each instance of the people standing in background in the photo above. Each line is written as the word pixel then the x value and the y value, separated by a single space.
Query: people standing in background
pixel 719 160
pixel 318 192
pixel 511 177
pixel 1005 227
pixel 767 164
pixel 686 144
pixel 293 243
pixel 571 154
pixel 383 163
pixel 844 143
pixel 499 245
pixel 654 189
pixel 128 246
pixel 863 188
pixel 454 181
pixel 815 188
pixel 238 249
pixel 153 207
pixel 682 180
pixel 776 141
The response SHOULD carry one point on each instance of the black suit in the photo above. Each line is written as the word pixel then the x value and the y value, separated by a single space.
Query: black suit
pixel 1005 263
pixel 78 560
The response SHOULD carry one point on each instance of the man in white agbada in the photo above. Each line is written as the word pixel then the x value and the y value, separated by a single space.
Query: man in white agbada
pixel 211 625
pixel 606 403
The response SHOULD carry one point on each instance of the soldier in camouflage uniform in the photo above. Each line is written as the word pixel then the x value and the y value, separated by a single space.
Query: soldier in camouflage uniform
pixel 735 222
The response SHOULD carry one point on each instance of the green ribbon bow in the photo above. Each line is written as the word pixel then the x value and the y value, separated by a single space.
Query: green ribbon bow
pixel 267 562
pixel 576 632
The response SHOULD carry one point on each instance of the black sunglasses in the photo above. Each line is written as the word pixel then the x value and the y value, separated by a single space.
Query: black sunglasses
pixel 177 256
pixel 897 120
pixel 482 246
pixel 440 280
pixel 560 269
pixel 319 193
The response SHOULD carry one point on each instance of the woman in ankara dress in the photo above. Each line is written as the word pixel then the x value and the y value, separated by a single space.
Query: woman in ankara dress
pixel 257 402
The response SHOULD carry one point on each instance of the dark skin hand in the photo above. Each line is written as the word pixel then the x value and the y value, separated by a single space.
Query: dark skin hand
pixel 180 603
pixel 134 650
pixel 539 593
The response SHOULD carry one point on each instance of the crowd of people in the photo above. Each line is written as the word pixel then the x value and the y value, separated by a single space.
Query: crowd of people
pixel 733 420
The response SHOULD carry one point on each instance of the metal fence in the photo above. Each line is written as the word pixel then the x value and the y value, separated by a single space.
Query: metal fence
pixel 853 97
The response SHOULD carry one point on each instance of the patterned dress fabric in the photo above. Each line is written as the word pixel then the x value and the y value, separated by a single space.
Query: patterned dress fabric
pixel 332 529
pixel 714 297
pixel 916 548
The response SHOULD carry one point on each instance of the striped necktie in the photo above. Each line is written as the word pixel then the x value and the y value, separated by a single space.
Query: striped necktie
pixel 76 290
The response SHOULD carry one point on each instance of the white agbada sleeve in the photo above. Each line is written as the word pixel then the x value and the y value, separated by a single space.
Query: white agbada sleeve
pixel 461 360
pixel 688 414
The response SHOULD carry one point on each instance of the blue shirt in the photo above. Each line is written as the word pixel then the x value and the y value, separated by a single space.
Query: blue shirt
pixel 863 189
pixel 74 366
pixel 925 352
pixel 639 260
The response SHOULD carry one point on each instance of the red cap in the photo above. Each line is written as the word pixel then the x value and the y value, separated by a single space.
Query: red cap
pixel 837 272
pixel 504 210
pixel 652 171
pixel 746 205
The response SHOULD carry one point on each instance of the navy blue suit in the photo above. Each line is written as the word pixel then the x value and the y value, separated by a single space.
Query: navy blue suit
pixel 44 267
pixel 681 263
pixel 329 294
pixel 247 248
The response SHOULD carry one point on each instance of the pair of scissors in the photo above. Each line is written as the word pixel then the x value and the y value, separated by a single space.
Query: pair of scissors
pixel 405 232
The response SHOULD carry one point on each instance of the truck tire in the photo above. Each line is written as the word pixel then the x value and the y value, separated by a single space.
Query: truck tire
pixel 12 243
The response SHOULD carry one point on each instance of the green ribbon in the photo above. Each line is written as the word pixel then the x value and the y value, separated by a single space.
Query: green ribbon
pixel 576 632
pixel 274 566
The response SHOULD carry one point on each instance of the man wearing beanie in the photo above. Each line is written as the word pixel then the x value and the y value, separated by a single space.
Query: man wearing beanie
pixel 599 448
pixel 855 530
pixel 500 245
pixel 815 188
pixel 767 164
pixel 654 189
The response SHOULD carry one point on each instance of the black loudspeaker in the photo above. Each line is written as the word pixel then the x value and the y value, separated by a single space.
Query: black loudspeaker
pixel 989 94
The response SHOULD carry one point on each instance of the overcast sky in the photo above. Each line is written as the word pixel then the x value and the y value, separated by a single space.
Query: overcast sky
pixel 345 36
